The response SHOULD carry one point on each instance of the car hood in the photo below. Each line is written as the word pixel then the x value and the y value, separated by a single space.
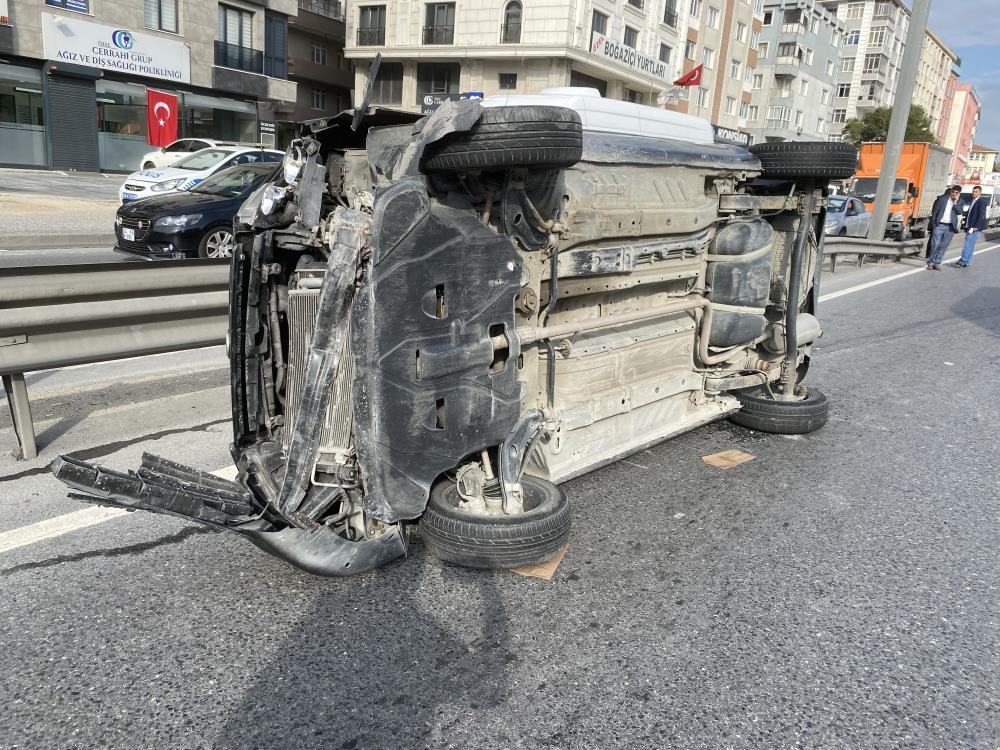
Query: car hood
pixel 175 203
pixel 153 176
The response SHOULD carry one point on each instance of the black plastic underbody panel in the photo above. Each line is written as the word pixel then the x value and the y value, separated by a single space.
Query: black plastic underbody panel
pixel 439 283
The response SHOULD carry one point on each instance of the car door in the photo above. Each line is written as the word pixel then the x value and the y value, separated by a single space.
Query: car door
pixel 862 219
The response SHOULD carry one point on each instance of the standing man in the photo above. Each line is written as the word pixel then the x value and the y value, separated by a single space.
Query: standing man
pixel 944 226
pixel 975 225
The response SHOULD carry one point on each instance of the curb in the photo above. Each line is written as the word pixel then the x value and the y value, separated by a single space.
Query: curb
pixel 56 241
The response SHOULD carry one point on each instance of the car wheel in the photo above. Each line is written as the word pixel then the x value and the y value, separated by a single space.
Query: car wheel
pixel 483 541
pixel 217 243
pixel 507 137
pixel 762 413
pixel 834 161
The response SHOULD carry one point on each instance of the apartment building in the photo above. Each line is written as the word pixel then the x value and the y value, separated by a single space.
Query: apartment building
pixel 793 86
pixel 432 51
pixel 316 63
pixel 962 128
pixel 938 66
pixel 982 162
pixel 872 51
pixel 74 75
pixel 722 36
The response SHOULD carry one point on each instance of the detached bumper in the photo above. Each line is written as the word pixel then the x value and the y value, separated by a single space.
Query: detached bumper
pixel 168 488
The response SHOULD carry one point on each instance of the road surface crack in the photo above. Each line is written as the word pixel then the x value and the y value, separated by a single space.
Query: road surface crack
pixel 132 549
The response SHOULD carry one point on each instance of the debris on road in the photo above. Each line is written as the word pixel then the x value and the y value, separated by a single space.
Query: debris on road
pixel 544 570
pixel 728 459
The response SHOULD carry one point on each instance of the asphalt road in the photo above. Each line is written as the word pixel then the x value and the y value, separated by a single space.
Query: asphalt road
pixel 839 591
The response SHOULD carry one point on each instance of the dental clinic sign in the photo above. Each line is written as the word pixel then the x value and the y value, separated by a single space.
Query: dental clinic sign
pixel 80 42
pixel 605 46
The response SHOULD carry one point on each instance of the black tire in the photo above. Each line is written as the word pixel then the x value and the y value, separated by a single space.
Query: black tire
pixel 781 417
pixel 210 246
pixel 509 137
pixel 832 161
pixel 478 541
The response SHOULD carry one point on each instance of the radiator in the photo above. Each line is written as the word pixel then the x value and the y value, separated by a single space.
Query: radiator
pixel 336 442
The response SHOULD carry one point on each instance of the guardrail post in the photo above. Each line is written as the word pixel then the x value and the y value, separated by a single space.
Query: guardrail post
pixel 20 412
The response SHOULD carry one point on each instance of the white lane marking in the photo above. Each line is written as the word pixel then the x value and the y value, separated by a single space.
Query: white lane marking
pixel 887 279
pixel 78 519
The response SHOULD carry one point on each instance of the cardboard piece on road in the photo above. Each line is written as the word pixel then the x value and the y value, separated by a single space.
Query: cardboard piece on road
pixel 544 570
pixel 728 459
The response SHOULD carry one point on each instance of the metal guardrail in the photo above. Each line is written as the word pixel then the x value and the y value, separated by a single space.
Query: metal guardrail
pixel 57 316
pixel 833 247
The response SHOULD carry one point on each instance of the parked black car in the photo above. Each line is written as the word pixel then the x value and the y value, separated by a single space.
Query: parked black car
pixel 194 223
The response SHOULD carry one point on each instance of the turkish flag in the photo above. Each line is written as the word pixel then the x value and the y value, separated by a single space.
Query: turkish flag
pixel 693 78
pixel 161 117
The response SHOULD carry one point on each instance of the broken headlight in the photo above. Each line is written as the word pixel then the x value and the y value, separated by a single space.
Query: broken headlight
pixel 271 197
pixel 245 216
pixel 291 165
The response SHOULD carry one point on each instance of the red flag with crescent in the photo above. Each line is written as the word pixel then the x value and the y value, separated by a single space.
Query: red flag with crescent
pixel 161 117
pixel 692 78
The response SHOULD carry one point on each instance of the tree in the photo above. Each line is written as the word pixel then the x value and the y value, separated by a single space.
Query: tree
pixel 874 126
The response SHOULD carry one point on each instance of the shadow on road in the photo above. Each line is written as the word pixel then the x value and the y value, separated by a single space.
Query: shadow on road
pixel 385 683
pixel 982 307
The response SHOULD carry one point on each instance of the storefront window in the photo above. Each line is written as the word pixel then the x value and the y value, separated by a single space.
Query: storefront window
pixel 22 117
pixel 220 119
pixel 121 125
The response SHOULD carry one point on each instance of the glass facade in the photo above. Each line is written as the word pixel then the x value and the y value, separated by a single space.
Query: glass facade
pixel 220 119
pixel 22 117
pixel 121 125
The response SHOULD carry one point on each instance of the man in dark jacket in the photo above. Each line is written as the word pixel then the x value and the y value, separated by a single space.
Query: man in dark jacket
pixel 975 224
pixel 944 225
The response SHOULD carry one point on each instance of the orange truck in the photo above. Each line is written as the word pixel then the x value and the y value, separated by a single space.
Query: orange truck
pixel 922 176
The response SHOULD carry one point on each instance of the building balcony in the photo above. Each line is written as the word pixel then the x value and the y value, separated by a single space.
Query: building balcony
pixel 439 35
pixel 239 58
pixel 796 29
pixel 879 74
pixel 326 8
pixel 868 103
pixel 303 68
pixel 371 37
pixel 787 65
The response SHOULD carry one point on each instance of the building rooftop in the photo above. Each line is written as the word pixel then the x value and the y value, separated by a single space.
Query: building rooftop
pixel 984 149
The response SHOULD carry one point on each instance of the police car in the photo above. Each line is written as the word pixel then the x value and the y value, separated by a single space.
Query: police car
pixel 191 170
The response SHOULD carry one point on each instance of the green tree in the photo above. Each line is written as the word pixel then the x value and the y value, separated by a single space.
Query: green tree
pixel 874 126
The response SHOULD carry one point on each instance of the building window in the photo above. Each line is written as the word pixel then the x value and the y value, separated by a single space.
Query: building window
pixel 855 11
pixel 635 4
pixel 809 56
pixel 665 51
pixel 768 17
pixel 821 126
pixel 702 97
pixel 371 26
pixel 160 14
pixel 758 81
pixel 847 65
pixel 734 69
pixel 233 48
pixel 695 9
pixel 744 108
pixel 753 113
pixel 803 87
pixel 730 105
pixel 630 95
pixel 439 27
pixel 754 39
pixel 437 78
pixel 852 38
pixel 670 13
pixel 318 99
pixel 599 23
pixel 508 81
pixel 388 86
pixel 708 57
pixel 872 64
pixel 741 31
pixel 689 50
pixel 798 118
pixel 876 37
pixel 762 50
pixel 275 44
pixel 511 31
pixel 631 38
pixel 825 98
pixel 713 17
pixel 319 53
pixel 330 8
pixel 829 68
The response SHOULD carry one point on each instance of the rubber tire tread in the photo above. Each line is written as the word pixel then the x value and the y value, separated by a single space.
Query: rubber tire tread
pixel 782 417
pixel 834 161
pixel 510 137
pixel 491 544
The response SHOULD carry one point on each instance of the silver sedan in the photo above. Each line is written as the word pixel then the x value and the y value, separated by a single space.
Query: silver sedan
pixel 846 216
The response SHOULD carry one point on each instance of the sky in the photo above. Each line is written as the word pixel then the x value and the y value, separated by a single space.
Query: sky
pixel 979 47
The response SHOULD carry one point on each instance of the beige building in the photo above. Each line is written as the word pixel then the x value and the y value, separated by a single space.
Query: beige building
pixel 937 62
pixel 74 76
pixel 434 50
pixel 982 161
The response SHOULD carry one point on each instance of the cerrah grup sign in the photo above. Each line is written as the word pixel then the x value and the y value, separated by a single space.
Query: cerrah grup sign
pixel 74 40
